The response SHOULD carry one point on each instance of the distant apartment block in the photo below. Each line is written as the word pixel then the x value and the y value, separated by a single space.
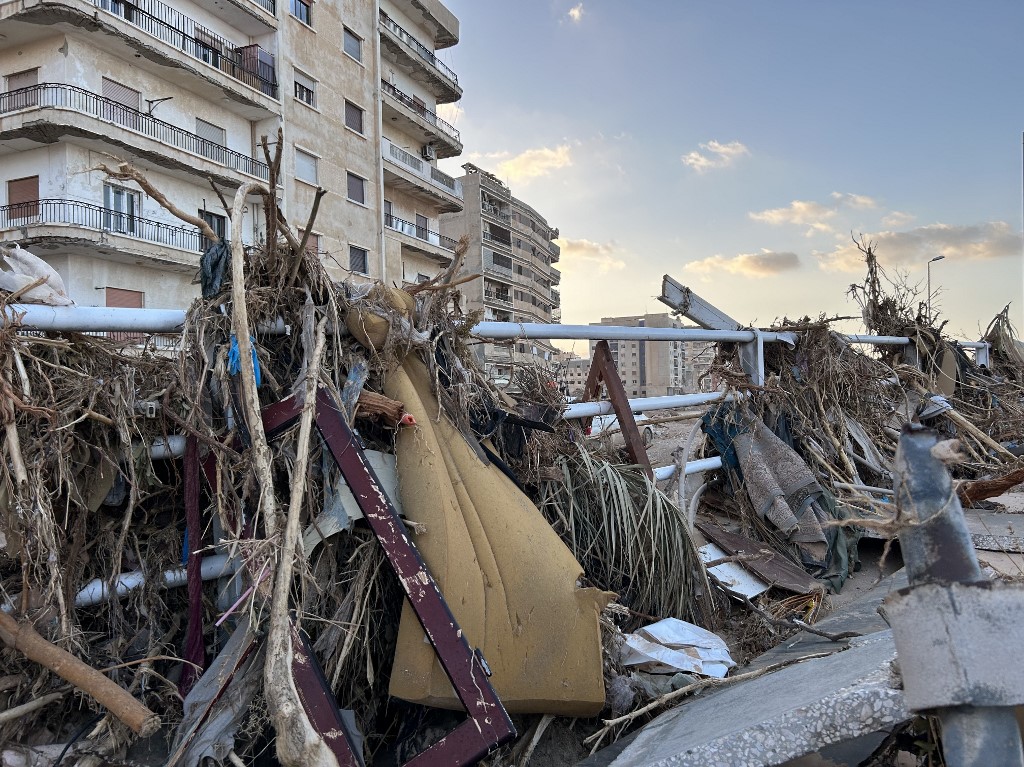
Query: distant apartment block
pixel 184 91
pixel 647 368
pixel 511 246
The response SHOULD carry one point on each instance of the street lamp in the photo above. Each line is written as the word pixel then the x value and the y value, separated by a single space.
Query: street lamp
pixel 937 258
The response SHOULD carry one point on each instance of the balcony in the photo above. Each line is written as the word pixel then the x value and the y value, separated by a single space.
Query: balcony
pixel 419 61
pixel 420 121
pixel 488 237
pixel 94 217
pixel 249 64
pixel 440 189
pixel 495 212
pixel 556 276
pixel 420 233
pixel 498 299
pixel 555 251
pixel 556 314
pixel 71 98
pixel 556 297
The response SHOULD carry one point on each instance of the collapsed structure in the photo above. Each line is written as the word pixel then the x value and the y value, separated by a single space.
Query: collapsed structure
pixel 318 530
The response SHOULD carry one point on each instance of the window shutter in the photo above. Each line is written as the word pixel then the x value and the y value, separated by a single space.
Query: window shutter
pixel 23 197
pixel 125 299
pixel 305 166
pixel 24 79
pixel 211 132
pixel 122 94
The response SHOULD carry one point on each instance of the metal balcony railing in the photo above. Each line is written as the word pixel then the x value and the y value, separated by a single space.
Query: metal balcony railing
pixel 423 51
pixel 270 6
pixel 75 99
pixel 89 216
pixel 421 168
pixel 410 103
pixel 249 64
pixel 492 210
pixel 491 238
pixel 504 299
pixel 419 232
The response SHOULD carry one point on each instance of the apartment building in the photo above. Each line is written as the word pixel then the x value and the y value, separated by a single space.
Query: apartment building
pixel 511 246
pixel 647 368
pixel 185 91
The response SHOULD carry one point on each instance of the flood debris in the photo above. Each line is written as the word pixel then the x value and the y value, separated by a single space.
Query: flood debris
pixel 313 531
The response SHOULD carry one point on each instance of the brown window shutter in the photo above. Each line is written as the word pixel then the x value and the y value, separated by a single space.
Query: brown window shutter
pixel 125 299
pixel 23 197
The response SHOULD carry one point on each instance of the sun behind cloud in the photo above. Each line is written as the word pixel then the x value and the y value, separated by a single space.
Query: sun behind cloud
pixel 764 264
pixel 533 163
pixel 715 154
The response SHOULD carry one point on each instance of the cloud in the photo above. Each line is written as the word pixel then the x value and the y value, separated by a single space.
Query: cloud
pixel 532 163
pixel 995 239
pixel 716 155
pixel 587 256
pixel 576 13
pixel 896 219
pixel 813 215
pixel 856 201
pixel 763 264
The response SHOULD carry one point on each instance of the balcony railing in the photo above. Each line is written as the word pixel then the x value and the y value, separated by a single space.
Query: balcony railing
pixel 249 64
pixel 420 168
pixel 491 238
pixel 410 103
pixel 419 232
pixel 424 52
pixel 37 212
pixel 556 276
pixel 492 210
pixel 270 6
pixel 502 299
pixel 555 252
pixel 75 99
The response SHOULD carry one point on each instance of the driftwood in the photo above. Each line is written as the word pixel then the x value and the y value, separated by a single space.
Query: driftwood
pixel 373 405
pixel 26 640
pixel 970 493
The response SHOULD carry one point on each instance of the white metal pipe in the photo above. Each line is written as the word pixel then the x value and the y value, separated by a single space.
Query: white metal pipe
pixel 97 590
pixel 171 447
pixel 880 340
pixel 692 467
pixel 543 330
pixel 643 404
pixel 86 319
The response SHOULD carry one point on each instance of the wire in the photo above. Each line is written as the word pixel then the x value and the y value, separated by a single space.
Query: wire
pixel 76 736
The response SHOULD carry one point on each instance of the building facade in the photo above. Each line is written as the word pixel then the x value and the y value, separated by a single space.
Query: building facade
pixel 511 246
pixel 185 92
pixel 647 368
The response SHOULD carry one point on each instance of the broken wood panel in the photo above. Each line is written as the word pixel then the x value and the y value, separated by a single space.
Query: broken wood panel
pixel 764 562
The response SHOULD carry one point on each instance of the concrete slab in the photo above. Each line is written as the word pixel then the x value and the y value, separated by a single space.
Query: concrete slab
pixel 780 716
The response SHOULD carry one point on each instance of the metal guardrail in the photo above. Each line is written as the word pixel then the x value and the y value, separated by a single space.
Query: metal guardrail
pixel 89 216
pixel 424 52
pixel 249 64
pixel 270 6
pixel 419 232
pixel 410 103
pixel 75 99
pixel 421 168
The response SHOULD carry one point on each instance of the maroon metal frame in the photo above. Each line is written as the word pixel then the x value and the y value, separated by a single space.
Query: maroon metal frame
pixel 488 725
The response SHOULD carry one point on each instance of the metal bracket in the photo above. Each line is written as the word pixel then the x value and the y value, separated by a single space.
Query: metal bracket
pixel 959 644
pixel 602 370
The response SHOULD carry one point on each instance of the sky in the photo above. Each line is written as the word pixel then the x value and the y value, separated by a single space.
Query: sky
pixel 742 146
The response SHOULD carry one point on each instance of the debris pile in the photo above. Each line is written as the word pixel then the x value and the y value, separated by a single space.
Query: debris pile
pixel 317 531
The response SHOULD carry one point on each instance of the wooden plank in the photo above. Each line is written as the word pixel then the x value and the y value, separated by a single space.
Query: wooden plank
pixel 763 561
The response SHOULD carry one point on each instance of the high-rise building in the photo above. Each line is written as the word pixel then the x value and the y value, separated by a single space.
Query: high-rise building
pixel 184 91
pixel 647 368
pixel 510 245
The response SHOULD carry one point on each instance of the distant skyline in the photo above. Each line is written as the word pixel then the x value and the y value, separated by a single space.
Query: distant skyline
pixel 740 147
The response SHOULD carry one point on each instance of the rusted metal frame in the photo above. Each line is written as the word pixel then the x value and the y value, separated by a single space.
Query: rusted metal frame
pixel 488 725
pixel 602 369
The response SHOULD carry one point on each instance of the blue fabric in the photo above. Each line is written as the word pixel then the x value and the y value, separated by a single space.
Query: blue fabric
pixel 235 358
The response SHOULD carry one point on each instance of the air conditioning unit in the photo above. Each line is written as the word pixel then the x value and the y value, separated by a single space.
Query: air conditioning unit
pixel 428 152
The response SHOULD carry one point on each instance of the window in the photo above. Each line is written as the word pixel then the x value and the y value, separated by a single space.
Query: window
pixel 312 243
pixel 353 117
pixel 120 208
pixel 219 225
pixel 421 226
pixel 353 45
pixel 358 259
pixel 303 11
pixel 214 138
pixel 122 103
pixel 125 299
pixel 305 88
pixel 208 46
pixel 28 98
pixel 23 197
pixel 305 166
pixel 356 188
